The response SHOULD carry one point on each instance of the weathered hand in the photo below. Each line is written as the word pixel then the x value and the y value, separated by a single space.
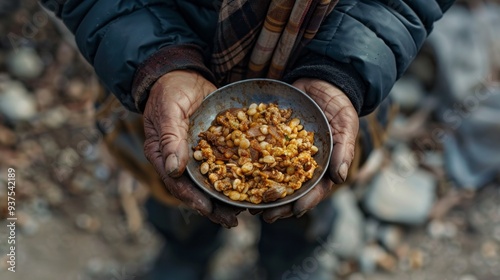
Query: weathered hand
pixel 172 100
pixel 344 123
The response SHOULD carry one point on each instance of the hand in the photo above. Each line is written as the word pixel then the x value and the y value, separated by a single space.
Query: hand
pixel 172 100
pixel 344 123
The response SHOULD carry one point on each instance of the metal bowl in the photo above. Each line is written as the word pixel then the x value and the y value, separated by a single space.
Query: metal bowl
pixel 242 94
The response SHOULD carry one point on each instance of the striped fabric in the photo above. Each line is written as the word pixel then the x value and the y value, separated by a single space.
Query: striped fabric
pixel 260 38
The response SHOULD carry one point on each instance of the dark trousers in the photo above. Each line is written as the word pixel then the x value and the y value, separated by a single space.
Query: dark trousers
pixel 191 240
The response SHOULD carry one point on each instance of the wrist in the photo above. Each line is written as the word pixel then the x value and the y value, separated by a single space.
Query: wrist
pixel 175 77
pixel 164 61
pixel 324 93
pixel 178 85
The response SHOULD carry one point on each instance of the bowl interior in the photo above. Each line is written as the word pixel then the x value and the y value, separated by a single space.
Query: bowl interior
pixel 242 94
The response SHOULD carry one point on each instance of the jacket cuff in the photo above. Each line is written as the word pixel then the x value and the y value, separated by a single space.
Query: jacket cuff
pixel 165 60
pixel 342 75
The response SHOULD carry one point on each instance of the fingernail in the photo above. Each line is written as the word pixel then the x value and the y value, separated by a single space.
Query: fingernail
pixel 343 171
pixel 301 214
pixel 172 164
pixel 274 219
pixel 256 212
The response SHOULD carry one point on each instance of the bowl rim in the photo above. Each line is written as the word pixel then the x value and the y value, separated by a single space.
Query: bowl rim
pixel 279 202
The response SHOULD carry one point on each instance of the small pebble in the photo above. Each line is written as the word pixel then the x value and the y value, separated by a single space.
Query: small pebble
pixel 65 53
pixel 344 268
pixel 45 97
pixel 49 146
pixel 83 183
pixel 402 251
pixel 7 136
pixel 15 101
pixel 489 250
pixel 87 223
pixel 369 258
pixel 68 157
pixel 54 196
pixel 40 206
pixel 390 236
pixel 25 63
pixel 27 224
pixel 438 229
pixel 4 265
pixel 102 172
pixel 76 90
pixel 91 152
pixel 416 259
pixel 55 118
pixel 95 266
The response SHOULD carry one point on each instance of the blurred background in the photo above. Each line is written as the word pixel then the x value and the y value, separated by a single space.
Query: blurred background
pixel 425 206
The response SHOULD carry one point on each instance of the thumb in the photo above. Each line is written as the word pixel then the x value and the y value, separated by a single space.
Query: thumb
pixel 345 125
pixel 343 120
pixel 173 98
pixel 167 111
pixel 173 131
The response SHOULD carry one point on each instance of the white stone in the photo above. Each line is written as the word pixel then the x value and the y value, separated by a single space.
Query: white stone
pixel 369 257
pixel 24 63
pixel 401 195
pixel 15 101
pixel 348 230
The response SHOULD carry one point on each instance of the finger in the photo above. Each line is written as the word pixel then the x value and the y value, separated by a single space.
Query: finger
pixel 225 215
pixel 300 84
pixel 172 128
pixel 344 127
pixel 255 211
pixel 174 98
pixel 279 212
pixel 313 197
pixel 182 188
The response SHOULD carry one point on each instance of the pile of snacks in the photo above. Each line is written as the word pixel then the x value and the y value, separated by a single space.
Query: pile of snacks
pixel 256 154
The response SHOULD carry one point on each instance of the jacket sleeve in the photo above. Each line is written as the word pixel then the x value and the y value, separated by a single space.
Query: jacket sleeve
pixel 364 46
pixel 132 43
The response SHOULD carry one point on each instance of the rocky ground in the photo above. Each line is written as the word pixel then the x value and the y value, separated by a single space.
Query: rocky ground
pixel 80 216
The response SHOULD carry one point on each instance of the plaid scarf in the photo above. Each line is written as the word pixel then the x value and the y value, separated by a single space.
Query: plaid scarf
pixel 260 38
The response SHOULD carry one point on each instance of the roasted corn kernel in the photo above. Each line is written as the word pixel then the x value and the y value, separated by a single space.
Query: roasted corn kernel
pixel 256 154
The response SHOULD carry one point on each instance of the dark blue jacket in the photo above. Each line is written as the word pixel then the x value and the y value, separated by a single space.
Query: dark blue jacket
pixel 362 47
